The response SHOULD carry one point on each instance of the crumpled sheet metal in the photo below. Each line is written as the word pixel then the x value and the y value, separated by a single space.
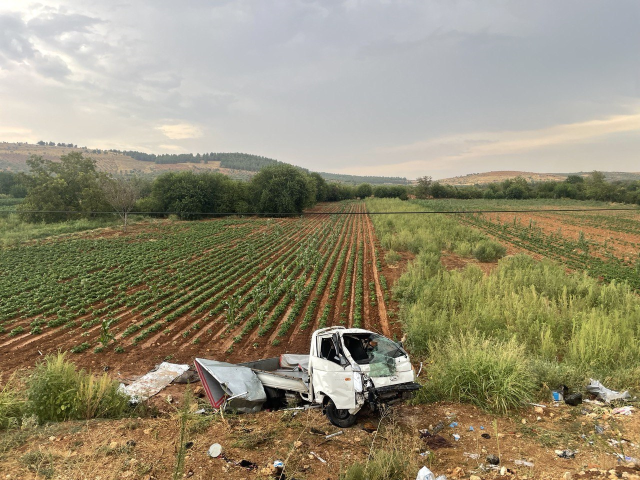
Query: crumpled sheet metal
pixel 604 394
pixel 292 360
pixel 151 383
pixel 222 380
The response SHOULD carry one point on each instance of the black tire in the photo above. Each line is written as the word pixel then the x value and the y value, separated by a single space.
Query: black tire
pixel 339 417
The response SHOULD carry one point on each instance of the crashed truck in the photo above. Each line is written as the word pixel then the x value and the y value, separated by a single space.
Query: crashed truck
pixel 346 369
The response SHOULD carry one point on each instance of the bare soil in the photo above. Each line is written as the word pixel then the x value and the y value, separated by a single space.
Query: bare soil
pixel 146 448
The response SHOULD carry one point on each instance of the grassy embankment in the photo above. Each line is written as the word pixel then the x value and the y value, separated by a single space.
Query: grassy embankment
pixel 498 339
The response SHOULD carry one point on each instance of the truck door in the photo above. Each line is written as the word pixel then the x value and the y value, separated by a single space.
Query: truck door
pixel 332 374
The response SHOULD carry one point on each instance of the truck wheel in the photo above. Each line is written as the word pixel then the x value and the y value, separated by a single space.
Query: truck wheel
pixel 339 417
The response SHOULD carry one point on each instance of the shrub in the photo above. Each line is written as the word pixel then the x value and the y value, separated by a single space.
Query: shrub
pixel 57 391
pixel 489 251
pixel 491 374
pixel 392 257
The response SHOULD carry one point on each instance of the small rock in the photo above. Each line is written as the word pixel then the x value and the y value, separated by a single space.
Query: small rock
pixel 539 410
pixel 297 444
pixel 474 477
pixel 567 476
pixel 524 421
pixel 457 472
pixel 113 445
pixel 503 471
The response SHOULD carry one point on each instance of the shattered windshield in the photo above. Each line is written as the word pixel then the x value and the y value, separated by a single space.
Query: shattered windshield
pixel 374 350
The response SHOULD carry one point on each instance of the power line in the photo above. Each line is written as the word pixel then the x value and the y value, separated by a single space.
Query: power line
pixel 272 214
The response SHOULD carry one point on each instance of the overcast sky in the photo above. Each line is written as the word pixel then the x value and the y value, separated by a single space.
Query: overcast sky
pixel 399 88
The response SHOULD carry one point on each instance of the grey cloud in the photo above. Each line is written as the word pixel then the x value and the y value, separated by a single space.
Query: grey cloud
pixel 14 42
pixel 328 83
pixel 51 66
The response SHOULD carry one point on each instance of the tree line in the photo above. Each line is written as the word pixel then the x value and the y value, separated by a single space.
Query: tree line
pixel 592 187
pixel 73 187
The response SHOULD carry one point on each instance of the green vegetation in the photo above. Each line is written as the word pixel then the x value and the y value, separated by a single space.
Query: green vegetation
pixel 65 190
pixel 14 231
pixel 56 390
pixel 589 187
pixel 564 327
pixel 489 251
pixel 492 374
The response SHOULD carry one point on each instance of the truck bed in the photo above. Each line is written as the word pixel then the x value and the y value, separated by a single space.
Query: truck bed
pixel 284 372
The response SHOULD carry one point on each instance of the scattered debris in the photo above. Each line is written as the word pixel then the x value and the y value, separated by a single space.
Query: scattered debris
pixel 524 463
pixel 628 459
pixel 573 399
pixel 604 394
pixel 334 435
pixel 628 410
pixel 472 456
pixel 190 376
pixel 215 450
pixel 493 460
pixel 153 382
pixel 453 424
pixel 566 453
pixel 247 464
pixel 456 437
pixel 318 457
pixel 486 436
pixel 425 474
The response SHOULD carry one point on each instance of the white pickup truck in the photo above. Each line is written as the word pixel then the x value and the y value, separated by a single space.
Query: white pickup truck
pixel 346 368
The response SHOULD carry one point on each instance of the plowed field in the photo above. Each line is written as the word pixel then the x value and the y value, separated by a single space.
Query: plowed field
pixel 228 289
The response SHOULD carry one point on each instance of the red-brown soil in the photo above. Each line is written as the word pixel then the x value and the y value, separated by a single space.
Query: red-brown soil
pixel 145 448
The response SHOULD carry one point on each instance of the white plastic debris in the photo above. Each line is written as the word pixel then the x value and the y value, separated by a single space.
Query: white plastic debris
pixel 215 450
pixel 628 410
pixel 604 394
pixel 425 474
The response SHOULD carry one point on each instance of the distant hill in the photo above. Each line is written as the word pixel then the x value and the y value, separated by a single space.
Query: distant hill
pixel 499 176
pixel 13 157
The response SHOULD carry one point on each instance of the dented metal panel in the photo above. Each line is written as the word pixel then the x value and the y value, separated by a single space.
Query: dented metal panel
pixel 224 380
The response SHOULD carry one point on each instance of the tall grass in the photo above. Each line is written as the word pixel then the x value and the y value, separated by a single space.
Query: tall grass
pixel 567 327
pixel 492 374
pixel 57 390
pixel 12 404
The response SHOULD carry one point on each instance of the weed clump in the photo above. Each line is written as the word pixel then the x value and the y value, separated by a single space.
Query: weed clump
pixel 57 391
pixel 492 374
pixel 488 251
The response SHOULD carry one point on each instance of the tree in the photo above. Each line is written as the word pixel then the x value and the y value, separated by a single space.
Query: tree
pixel 58 191
pixel 321 187
pixel 281 189
pixel 190 194
pixel 364 190
pixel 122 195
pixel 423 188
